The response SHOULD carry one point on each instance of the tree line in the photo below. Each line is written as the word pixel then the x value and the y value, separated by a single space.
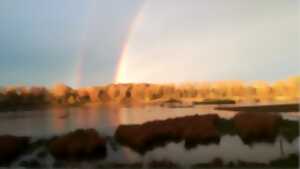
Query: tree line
pixel 239 91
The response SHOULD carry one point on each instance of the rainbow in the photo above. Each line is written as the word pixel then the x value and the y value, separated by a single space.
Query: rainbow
pixel 119 73
pixel 120 117
pixel 84 38
pixel 79 71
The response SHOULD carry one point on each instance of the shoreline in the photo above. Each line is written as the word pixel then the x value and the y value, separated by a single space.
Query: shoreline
pixel 277 107
pixel 219 104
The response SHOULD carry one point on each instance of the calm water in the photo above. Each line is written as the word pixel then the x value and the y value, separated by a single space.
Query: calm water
pixel 56 121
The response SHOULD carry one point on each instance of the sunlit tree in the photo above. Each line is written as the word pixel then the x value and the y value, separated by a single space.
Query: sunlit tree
pixel 103 96
pixel 263 91
pixel 64 94
pixel 93 93
pixel 83 95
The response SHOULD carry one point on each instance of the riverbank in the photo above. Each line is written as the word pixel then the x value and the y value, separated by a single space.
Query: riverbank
pixel 275 107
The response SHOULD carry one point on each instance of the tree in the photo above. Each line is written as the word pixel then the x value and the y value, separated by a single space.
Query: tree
pixel 61 93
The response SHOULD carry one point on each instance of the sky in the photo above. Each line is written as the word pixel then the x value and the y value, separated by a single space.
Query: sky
pixel 93 42
pixel 44 42
pixel 179 41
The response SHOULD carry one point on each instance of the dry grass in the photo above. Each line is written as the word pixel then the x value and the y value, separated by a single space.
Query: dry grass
pixel 80 144
pixel 257 126
pixel 193 129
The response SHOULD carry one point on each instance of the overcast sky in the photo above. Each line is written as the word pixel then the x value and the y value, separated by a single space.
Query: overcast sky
pixel 41 42
pixel 177 41
pixel 45 42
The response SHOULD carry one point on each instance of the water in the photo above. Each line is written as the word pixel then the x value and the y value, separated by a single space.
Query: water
pixel 230 149
pixel 57 121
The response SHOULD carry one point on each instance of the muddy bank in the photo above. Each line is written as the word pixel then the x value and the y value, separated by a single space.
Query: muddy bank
pixel 188 103
pixel 214 102
pixel 288 107
pixel 175 103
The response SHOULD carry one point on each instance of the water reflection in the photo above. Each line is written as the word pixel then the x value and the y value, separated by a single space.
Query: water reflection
pixel 55 121
pixel 230 149
pixel 58 119
pixel 103 119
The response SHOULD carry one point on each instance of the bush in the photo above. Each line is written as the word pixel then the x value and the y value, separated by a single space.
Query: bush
pixel 257 126
pixel 80 144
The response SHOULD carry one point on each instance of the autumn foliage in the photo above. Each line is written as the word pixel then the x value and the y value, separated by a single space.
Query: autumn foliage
pixel 144 93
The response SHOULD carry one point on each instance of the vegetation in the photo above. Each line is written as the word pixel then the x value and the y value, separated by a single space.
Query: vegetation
pixel 289 129
pixel 201 129
pixel 206 129
pixel 11 147
pixel 292 161
pixel 257 126
pixel 121 165
pixel 222 92
pixel 79 144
